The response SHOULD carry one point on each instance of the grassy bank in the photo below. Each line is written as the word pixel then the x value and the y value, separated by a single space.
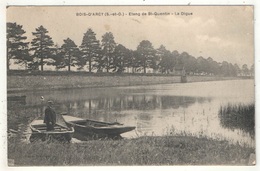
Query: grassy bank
pixel 58 80
pixel 168 150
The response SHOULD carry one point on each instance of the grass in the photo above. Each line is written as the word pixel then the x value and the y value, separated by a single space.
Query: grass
pixel 238 116
pixel 169 150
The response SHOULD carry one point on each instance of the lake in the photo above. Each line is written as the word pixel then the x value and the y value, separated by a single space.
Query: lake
pixel 165 109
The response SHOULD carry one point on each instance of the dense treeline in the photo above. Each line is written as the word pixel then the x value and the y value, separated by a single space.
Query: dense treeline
pixel 106 55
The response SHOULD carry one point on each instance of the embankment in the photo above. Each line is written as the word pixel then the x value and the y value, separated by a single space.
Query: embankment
pixel 59 81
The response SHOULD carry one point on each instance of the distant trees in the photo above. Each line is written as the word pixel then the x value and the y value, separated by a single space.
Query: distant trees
pixel 41 46
pixel 17 47
pixel 202 65
pixel 214 66
pixel 109 55
pixel 166 59
pixel 190 64
pixel 252 70
pixel 237 69
pixel 245 69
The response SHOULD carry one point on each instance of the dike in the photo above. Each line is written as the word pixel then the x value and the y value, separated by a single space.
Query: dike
pixel 54 81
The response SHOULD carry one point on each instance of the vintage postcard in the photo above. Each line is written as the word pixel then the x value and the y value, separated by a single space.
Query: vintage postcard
pixel 130 85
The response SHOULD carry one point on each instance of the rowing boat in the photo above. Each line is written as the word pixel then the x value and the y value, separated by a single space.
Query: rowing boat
pixel 96 128
pixel 60 132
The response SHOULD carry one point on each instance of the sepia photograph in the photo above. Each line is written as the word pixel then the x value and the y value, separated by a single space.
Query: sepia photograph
pixel 158 85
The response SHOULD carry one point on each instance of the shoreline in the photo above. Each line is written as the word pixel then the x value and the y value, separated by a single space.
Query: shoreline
pixel 18 84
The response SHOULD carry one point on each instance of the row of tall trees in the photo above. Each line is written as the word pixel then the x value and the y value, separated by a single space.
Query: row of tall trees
pixel 107 55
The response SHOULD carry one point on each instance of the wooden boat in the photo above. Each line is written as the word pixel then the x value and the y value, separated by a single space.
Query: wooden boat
pixel 96 128
pixel 60 132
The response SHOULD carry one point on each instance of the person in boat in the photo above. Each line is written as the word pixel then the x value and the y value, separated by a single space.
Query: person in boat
pixel 50 116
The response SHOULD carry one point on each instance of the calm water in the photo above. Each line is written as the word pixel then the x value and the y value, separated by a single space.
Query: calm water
pixel 190 108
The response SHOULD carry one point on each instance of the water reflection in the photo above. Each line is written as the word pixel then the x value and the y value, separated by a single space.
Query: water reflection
pixel 135 102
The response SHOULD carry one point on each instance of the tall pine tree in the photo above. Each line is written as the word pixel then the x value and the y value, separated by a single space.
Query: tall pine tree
pixel 58 57
pixel 146 55
pixel 42 47
pixel 108 48
pixel 16 46
pixel 120 58
pixel 71 53
pixel 90 48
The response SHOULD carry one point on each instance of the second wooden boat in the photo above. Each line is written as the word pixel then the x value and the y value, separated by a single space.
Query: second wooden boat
pixel 96 128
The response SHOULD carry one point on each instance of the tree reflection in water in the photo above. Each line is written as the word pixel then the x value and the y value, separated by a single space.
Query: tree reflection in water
pixel 135 102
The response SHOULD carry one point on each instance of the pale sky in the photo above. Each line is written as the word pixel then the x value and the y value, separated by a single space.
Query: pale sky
pixel 220 32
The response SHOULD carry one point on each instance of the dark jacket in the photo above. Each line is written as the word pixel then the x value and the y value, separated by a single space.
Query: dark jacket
pixel 50 116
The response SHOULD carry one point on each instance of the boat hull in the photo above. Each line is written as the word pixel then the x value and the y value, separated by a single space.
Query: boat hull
pixel 96 128
pixel 60 133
